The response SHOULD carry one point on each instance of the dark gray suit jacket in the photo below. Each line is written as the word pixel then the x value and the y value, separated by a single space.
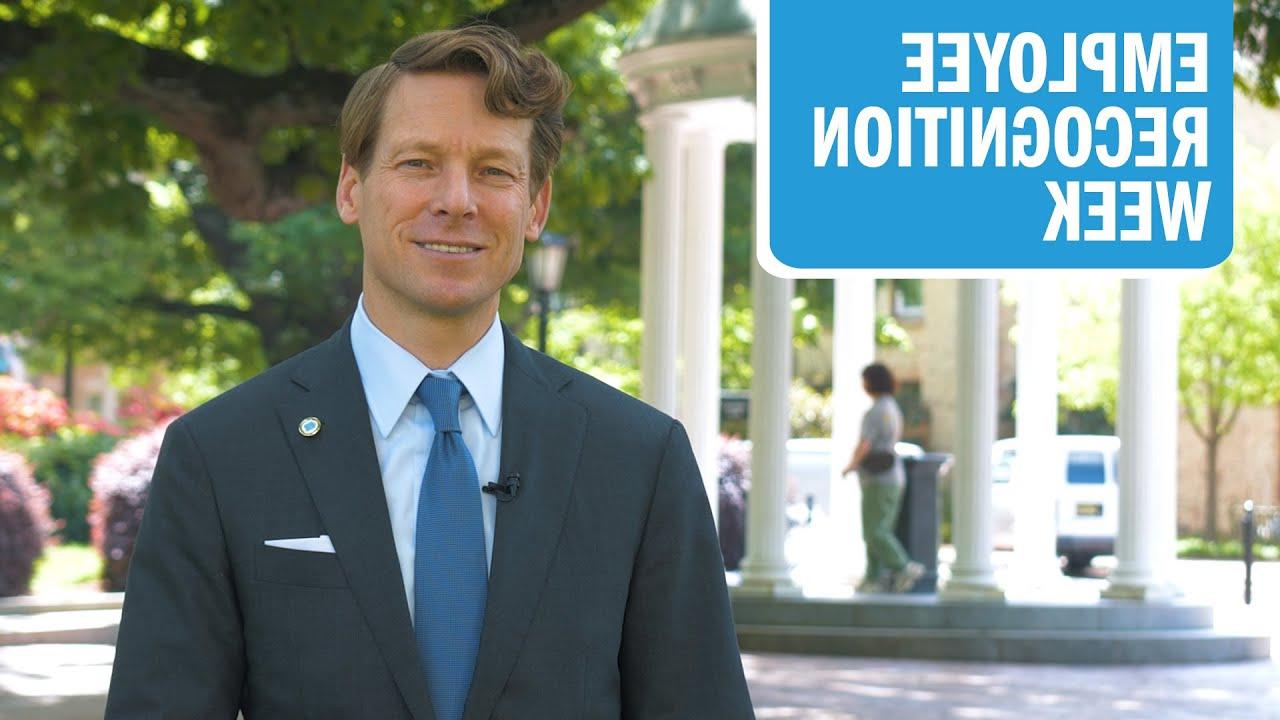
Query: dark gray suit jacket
pixel 606 592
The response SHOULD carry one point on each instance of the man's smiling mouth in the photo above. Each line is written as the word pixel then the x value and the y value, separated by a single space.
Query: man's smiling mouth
pixel 452 249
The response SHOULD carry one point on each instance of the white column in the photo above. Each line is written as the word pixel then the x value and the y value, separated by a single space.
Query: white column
pixel 660 258
pixel 854 341
pixel 1147 422
pixel 972 575
pixel 703 298
pixel 764 569
pixel 1038 470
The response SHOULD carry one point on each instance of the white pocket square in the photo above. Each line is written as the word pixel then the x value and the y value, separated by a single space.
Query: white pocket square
pixel 310 544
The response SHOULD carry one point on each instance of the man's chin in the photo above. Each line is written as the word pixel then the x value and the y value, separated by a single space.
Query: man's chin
pixel 454 307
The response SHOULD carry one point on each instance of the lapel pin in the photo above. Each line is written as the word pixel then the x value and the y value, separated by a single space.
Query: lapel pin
pixel 309 427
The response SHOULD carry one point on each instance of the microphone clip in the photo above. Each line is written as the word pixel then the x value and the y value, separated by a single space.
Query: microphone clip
pixel 505 490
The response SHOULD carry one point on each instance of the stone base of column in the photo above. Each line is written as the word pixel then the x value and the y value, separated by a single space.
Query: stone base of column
pixel 1035 573
pixel 772 581
pixel 1119 589
pixel 976 586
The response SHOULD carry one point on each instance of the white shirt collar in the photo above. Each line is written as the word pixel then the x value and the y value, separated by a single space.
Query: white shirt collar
pixel 391 374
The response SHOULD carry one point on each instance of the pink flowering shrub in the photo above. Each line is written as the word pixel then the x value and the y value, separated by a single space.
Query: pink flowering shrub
pixel 24 524
pixel 28 412
pixel 120 481
pixel 144 408
pixel 735 482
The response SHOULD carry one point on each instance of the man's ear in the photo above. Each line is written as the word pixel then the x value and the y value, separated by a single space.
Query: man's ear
pixel 348 184
pixel 541 209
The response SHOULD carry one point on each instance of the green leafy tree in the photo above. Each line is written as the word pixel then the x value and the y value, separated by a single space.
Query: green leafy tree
pixel 1257 33
pixel 1089 349
pixel 180 157
pixel 1230 345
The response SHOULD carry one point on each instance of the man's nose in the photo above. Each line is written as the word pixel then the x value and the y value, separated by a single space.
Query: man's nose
pixel 453 197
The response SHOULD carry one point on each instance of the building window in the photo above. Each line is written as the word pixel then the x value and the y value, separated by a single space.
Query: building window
pixel 908 299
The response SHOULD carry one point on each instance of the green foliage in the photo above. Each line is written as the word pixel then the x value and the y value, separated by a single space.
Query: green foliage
pixel 1231 315
pixel 891 334
pixel 66 567
pixel 1089 347
pixel 602 341
pixel 1230 348
pixel 1233 549
pixel 738 324
pixel 104 293
pixel 99 255
pixel 62 462
pixel 810 411
pixel 1257 32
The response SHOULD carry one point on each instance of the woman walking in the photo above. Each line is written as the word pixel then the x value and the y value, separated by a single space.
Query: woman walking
pixel 881 477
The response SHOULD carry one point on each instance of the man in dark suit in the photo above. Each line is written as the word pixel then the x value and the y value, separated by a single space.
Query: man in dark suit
pixel 421 518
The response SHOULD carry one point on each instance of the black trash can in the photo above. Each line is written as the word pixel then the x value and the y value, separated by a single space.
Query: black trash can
pixel 920 518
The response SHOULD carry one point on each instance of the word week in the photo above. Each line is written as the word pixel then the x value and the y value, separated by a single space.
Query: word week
pixel 1093 121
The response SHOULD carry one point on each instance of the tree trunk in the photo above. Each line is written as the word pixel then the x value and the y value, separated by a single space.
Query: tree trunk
pixel 1211 488
pixel 68 371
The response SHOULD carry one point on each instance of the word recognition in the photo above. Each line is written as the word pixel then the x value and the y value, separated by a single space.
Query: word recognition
pixel 1029 116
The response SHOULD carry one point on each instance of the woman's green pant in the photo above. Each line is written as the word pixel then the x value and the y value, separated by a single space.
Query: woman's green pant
pixel 880 505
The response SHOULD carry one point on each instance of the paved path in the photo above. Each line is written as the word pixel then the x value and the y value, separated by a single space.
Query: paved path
pixel 822 688
pixel 67 682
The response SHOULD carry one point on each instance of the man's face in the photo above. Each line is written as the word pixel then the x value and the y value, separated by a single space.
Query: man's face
pixel 445 204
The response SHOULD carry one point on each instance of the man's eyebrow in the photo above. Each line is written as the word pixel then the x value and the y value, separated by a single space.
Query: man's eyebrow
pixel 411 145
pixel 494 151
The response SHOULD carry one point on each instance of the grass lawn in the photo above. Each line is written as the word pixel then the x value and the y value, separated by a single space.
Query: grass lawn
pixel 65 568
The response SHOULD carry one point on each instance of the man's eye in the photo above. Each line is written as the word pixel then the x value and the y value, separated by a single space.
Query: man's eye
pixel 496 172
pixel 415 163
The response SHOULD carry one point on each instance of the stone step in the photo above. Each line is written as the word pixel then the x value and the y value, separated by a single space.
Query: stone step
pixel 24 604
pixel 927 612
pixel 97 626
pixel 1081 647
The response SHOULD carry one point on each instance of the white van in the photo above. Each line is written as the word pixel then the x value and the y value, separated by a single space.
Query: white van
pixel 809 469
pixel 1086 498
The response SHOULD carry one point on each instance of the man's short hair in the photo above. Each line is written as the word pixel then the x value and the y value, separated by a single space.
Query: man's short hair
pixel 521 83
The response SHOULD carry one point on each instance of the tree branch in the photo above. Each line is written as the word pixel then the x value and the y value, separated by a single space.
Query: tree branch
pixel 532 20
pixel 226 113
pixel 1231 417
pixel 185 309
pixel 1189 407
pixel 214 227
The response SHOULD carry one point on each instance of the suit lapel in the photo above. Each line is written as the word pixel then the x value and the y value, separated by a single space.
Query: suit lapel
pixel 542 436
pixel 341 469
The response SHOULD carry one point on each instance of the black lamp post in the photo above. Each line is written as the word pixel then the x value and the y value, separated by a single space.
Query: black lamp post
pixel 545 265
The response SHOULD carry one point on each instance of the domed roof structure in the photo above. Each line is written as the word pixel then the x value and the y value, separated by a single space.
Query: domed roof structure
pixel 676 21
pixel 690 50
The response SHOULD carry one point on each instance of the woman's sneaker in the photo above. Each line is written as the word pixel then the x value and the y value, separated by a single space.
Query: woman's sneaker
pixel 870 585
pixel 906 578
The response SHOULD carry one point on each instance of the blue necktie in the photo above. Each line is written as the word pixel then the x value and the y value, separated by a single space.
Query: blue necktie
pixel 450 575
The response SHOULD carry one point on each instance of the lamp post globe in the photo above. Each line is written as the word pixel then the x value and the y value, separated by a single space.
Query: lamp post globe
pixel 545 267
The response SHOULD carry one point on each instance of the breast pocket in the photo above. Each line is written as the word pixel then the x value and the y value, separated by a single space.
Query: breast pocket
pixel 298 567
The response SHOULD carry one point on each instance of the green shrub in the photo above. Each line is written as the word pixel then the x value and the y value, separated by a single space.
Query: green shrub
pixel 67 568
pixel 1233 549
pixel 62 462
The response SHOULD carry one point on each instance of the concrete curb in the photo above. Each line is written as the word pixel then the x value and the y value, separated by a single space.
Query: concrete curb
pixel 57 602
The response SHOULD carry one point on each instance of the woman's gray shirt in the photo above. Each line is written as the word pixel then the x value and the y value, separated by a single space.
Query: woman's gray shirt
pixel 882 428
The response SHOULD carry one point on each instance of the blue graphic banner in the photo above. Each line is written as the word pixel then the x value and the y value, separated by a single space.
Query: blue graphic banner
pixel 998 135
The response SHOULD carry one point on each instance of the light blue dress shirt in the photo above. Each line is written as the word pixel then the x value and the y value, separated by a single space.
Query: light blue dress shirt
pixel 403 429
